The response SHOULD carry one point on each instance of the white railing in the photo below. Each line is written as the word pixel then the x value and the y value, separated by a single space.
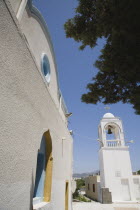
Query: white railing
pixel 113 143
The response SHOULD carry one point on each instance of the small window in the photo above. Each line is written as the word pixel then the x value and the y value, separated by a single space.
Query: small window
pixel 93 187
pixel 136 181
pixel 118 174
pixel 45 66
pixel 88 187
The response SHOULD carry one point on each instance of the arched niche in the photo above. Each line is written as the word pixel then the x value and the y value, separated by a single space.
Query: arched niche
pixel 112 131
pixel 49 167
pixel 43 179
pixel 66 195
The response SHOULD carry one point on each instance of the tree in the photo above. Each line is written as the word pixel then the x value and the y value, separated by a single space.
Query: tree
pixel 138 172
pixel 76 194
pixel 118 21
pixel 80 183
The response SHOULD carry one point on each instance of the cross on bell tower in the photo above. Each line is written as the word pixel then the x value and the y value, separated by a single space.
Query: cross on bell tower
pixel 114 159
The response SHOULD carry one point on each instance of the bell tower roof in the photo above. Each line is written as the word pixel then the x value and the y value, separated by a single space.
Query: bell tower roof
pixel 108 115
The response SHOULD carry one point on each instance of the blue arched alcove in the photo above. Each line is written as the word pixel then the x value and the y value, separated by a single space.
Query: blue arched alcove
pixel 40 171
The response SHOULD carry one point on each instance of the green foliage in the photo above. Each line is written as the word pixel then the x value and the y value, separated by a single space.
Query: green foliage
pixel 80 183
pixel 79 197
pixel 76 194
pixel 138 172
pixel 82 198
pixel 118 78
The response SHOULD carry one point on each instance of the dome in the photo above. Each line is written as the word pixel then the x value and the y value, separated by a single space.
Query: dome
pixel 108 115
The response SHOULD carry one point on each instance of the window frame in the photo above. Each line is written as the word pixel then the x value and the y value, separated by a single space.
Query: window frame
pixel 45 61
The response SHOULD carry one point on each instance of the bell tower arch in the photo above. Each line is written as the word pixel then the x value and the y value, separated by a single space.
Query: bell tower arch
pixel 111 131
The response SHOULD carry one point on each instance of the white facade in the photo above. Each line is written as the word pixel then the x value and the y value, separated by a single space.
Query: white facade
pixel 115 163
pixel 73 185
pixel 33 122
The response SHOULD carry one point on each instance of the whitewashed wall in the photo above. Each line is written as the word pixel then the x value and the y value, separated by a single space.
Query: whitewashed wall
pixel 115 161
pixel 28 108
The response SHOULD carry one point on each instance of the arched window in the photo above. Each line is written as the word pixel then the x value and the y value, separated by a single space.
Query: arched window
pixel 112 131
pixel 45 67
pixel 43 180
pixel 109 133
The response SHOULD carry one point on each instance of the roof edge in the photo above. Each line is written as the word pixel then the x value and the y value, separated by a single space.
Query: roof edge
pixel 36 13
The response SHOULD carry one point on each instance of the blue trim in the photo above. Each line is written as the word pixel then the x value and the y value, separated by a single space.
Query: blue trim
pixel 40 172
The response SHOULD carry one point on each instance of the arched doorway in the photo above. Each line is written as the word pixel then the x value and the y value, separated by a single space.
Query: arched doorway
pixel 43 180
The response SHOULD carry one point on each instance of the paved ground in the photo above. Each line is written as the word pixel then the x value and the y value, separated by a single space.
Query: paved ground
pixel 98 206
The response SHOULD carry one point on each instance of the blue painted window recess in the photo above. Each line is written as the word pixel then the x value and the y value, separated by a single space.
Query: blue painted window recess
pixel 45 66
pixel 40 173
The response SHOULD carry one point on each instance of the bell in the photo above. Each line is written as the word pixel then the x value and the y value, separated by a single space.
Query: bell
pixel 109 131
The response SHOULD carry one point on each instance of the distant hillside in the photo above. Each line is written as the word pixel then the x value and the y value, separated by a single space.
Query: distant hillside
pixel 82 175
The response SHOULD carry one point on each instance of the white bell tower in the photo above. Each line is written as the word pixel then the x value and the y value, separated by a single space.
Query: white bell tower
pixel 114 159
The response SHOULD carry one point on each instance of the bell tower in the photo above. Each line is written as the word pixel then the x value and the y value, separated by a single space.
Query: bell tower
pixel 114 159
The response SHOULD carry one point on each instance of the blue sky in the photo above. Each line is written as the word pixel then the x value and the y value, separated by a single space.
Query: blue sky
pixel 75 69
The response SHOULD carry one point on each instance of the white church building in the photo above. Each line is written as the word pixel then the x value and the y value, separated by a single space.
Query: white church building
pixel 36 145
pixel 117 183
